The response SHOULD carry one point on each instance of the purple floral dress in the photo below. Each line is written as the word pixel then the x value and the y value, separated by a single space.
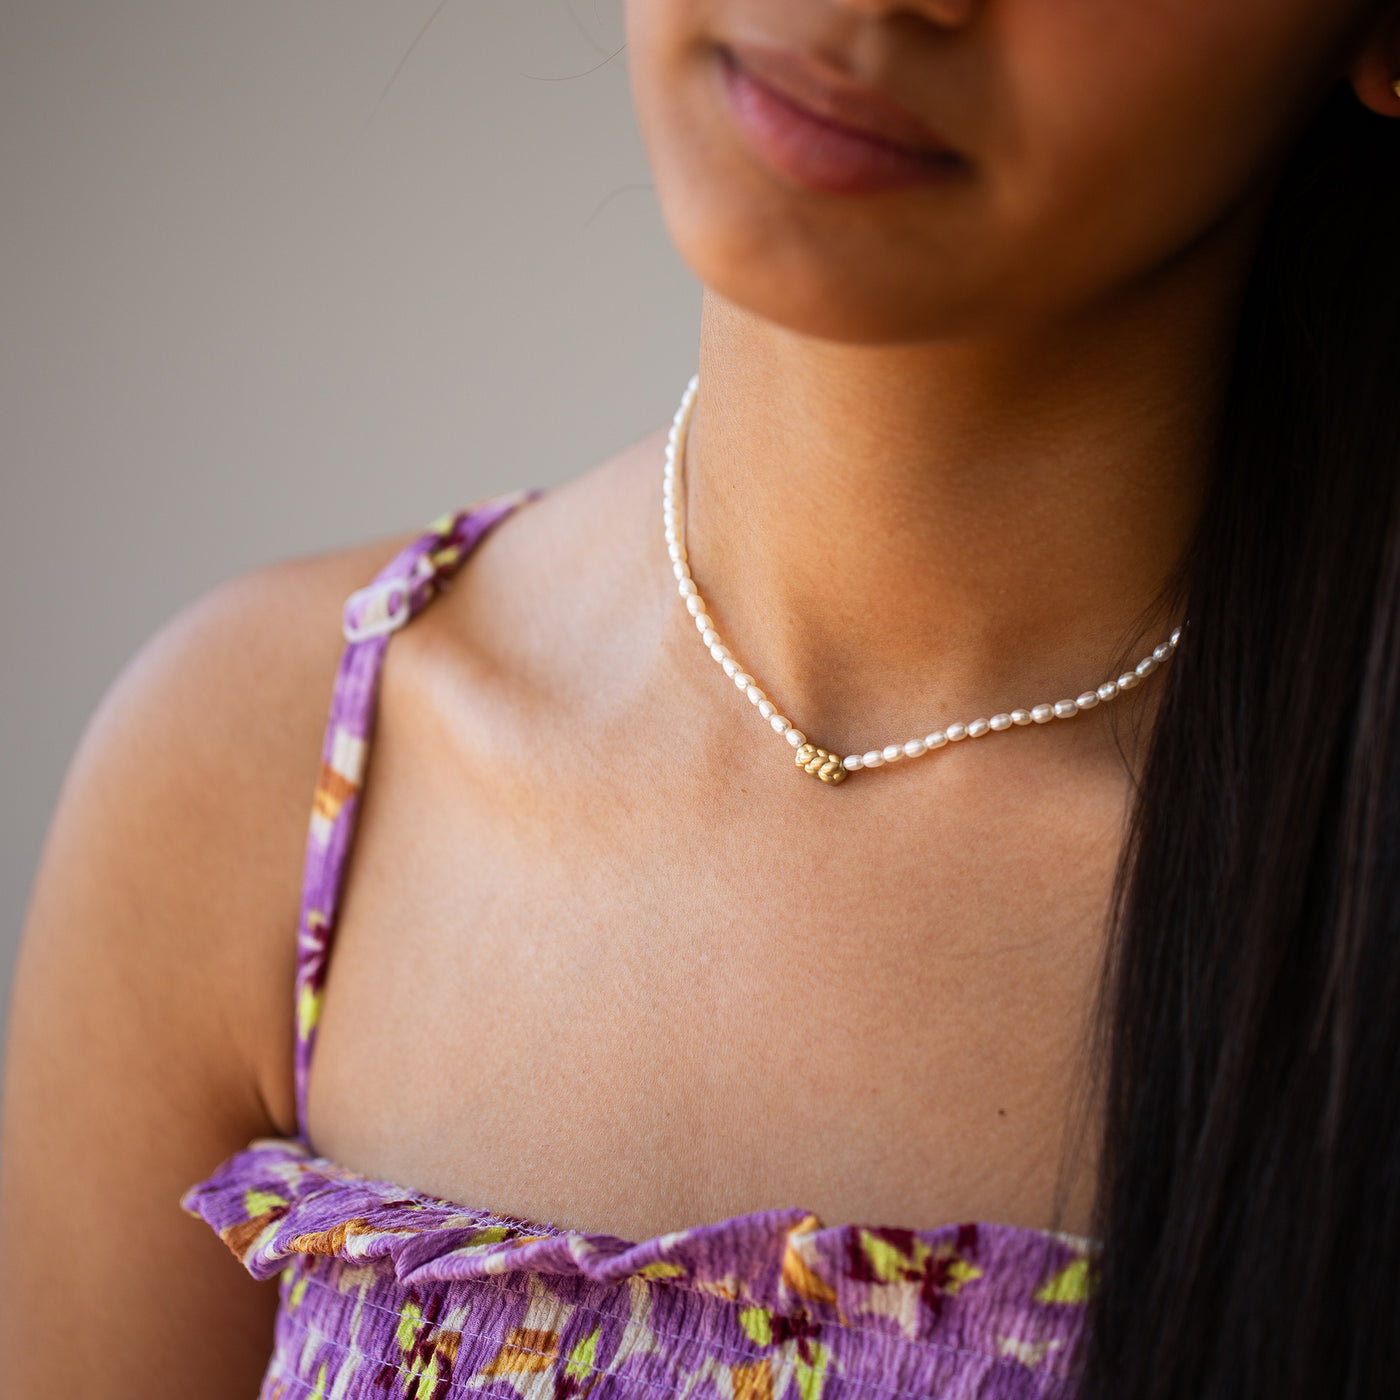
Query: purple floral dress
pixel 386 1292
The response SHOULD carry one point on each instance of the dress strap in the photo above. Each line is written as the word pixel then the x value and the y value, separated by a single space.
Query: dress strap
pixel 406 585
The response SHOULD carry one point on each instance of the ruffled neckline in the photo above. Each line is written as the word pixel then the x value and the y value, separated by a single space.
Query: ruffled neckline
pixel 1005 1290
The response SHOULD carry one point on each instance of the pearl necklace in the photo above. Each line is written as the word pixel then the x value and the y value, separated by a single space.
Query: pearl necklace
pixel 821 763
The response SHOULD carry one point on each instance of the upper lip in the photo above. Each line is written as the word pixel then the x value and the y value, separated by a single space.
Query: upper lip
pixel 822 89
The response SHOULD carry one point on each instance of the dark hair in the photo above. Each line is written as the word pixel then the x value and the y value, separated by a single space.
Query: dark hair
pixel 1249 1196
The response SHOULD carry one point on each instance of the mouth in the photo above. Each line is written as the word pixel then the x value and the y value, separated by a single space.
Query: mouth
pixel 824 132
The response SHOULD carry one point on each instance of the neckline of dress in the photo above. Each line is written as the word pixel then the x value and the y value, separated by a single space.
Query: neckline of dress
pixel 533 1227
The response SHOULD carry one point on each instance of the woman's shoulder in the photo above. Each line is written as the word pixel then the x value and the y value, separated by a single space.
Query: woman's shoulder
pixel 150 1030
pixel 215 725
pixel 177 842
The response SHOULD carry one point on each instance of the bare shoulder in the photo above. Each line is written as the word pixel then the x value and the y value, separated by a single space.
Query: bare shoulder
pixel 150 1033
pixel 185 810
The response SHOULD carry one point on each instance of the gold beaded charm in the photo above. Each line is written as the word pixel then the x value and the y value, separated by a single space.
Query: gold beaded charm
pixel 821 764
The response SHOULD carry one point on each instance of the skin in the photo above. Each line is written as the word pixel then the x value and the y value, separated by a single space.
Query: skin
pixel 604 958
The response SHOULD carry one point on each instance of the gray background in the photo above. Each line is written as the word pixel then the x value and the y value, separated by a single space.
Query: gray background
pixel 275 277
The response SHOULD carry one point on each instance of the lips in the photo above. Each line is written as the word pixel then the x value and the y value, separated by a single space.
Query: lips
pixel 823 131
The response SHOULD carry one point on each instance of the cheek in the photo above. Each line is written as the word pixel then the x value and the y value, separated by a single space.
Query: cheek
pixel 1123 134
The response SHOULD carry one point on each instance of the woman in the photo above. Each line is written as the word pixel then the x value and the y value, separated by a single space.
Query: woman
pixel 1038 339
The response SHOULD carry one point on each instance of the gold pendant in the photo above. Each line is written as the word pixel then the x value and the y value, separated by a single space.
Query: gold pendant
pixel 821 764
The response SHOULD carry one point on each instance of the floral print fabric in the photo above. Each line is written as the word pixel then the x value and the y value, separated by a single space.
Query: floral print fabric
pixel 389 1293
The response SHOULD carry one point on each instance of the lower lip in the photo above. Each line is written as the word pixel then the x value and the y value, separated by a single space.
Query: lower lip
pixel 819 155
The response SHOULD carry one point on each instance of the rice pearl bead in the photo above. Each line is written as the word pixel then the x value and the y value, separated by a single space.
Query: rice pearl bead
pixel 742 680
pixel 893 753
pixel 795 737
pixel 780 724
pixel 677 552
pixel 767 708
pixel 719 651
pixel 1088 700
pixel 1108 691
pixel 681 569
pixel 999 723
pixel 936 740
pixel 731 666
pixel 694 604
pixel 756 696
pixel 709 636
pixel 1021 717
pixel 1065 709
pixel 687 589
pixel 1145 667
pixel 1127 680
pixel 853 763
pixel 978 728
pixel 1160 653
pixel 705 623
pixel 1043 714
pixel 956 733
pixel 873 759
pixel 1175 638
pixel 915 748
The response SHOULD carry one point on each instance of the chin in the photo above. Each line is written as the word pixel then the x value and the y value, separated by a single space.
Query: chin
pixel 816 308
pixel 841 270
pixel 822 293
pixel 882 268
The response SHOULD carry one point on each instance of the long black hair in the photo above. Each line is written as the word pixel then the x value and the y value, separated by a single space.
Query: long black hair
pixel 1249 1197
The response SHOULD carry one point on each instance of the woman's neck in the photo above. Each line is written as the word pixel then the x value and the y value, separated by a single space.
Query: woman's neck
pixel 970 525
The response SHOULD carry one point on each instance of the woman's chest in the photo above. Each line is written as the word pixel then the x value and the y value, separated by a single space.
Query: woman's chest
pixel 595 1014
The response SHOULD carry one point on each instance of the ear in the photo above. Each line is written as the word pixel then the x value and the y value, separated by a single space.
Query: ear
pixel 1375 72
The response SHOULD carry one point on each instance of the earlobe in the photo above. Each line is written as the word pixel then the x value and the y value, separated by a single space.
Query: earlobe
pixel 1375 75
pixel 1378 90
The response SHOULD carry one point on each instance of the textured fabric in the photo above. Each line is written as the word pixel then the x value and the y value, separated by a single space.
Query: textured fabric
pixel 387 1292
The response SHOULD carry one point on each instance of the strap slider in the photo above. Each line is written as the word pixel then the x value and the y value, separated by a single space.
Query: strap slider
pixel 384 605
